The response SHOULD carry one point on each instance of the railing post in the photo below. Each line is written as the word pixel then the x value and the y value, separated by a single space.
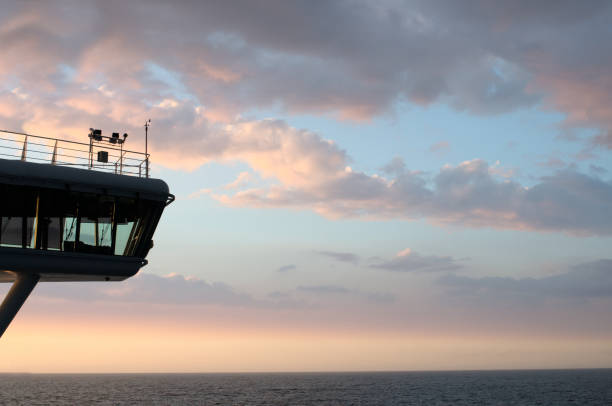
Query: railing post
pixel 25 148
pixel 54 157
pixel 90 152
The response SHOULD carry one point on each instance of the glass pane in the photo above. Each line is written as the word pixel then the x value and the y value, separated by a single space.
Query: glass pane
pixel 123 236
pixel 53 207
pixel 105 234
pixel 69 233
pixel 51 236
pixel 96 224
pixel 88 231
pixel 29 235
pixel 10 232
pixel 140 239
pixel 126 218
pixel 18 206
pixel 105 222
pixel 66 207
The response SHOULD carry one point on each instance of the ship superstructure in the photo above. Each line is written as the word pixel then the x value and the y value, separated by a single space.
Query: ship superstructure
pixel 73 211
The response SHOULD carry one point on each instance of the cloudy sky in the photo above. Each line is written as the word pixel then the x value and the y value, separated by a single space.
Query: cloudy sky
pixel 360 185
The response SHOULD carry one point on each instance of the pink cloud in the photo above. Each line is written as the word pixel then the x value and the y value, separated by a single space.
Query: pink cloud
pixel 232 60
pixel 470 194
pixel 106 69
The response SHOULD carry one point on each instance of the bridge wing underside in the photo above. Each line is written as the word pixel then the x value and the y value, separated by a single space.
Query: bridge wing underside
pixel 63 266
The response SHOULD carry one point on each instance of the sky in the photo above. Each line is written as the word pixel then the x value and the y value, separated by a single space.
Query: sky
pixel 390 185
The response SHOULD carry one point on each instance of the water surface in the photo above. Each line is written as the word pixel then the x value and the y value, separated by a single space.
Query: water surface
pixel 558 387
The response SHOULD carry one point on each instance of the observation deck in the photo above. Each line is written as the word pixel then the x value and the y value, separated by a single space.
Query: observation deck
pixel 72 211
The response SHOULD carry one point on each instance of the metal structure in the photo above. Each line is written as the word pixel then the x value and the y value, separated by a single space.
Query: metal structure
pixel 34 148
pixel 146 126
pixel 72 211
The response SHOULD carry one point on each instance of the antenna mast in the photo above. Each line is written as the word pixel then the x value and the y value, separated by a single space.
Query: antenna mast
pixel 147 124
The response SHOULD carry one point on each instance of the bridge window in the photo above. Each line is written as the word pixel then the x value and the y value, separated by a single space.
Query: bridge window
pixel 76 222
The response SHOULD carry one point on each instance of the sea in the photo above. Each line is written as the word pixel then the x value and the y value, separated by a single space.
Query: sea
pixel 533 387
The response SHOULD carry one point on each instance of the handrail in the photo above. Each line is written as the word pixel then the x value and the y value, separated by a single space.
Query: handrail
pixel 17 145
pixel 171 198
pixel 66 141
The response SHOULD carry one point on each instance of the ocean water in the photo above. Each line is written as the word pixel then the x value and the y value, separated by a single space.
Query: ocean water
pixel 556 387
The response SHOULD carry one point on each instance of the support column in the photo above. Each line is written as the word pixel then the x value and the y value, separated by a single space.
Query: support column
pixel 21 289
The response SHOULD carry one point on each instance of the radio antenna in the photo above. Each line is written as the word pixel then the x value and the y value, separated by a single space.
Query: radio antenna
pixel 147 124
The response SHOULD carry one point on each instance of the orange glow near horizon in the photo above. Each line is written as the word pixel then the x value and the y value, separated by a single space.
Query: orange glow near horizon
pixel 42 346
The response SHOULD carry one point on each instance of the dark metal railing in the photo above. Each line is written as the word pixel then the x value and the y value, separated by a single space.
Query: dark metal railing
pixel 34 148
